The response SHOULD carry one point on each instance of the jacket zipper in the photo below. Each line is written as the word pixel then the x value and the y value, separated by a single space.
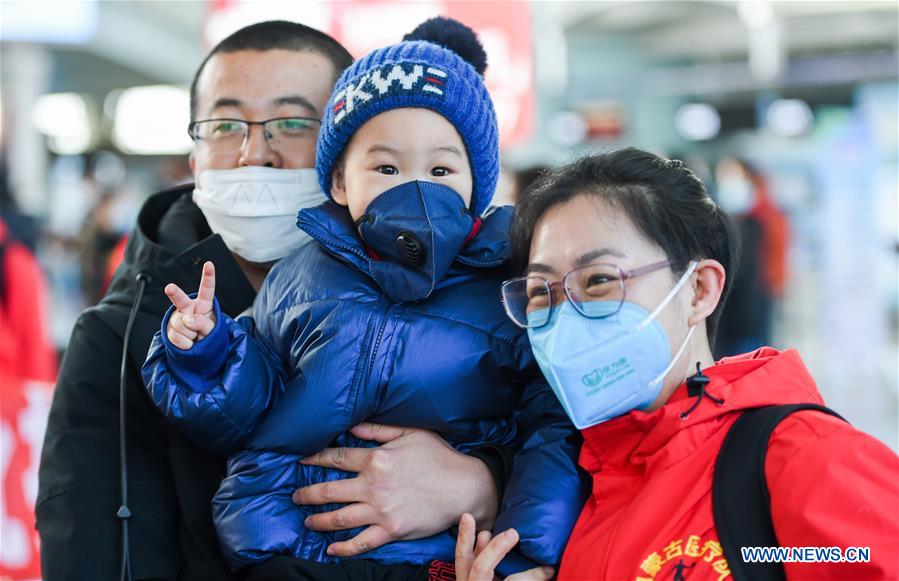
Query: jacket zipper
pixel 374 351
pixel 356 251
pixel 481 263
pixel 328 241
pixel 364 377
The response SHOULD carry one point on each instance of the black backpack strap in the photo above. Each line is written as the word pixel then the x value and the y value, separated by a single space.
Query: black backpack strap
pixel 740 498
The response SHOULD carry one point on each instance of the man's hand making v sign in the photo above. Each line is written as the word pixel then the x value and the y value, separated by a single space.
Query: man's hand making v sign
pixel 194 319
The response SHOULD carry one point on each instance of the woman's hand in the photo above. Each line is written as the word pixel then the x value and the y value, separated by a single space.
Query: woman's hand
pixel 478 555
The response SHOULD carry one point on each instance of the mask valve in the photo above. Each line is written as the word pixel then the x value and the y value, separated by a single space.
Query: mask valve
pixel 411 248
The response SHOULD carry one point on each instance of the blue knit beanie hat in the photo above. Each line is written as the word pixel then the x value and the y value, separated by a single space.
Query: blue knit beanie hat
pixel 438 66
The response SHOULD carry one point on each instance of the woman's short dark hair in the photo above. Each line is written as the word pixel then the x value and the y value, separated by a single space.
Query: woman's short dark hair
pixel 664 200
pixel 273 35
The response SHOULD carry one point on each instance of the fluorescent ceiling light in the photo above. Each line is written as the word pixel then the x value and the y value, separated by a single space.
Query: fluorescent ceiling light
pixel 152 120
pixel 65 120
pixel 789 117
pixel 697 121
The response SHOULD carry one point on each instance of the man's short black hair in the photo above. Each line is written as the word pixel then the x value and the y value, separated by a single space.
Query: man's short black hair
pixel 272 35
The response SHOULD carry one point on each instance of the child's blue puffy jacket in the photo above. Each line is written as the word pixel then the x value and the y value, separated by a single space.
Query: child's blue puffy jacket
pixel 327 350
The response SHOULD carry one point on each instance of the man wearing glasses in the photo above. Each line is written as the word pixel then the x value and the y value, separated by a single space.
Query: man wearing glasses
pixel 123 495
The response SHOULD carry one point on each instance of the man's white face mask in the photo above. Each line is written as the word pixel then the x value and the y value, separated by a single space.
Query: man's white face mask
pixel 254 208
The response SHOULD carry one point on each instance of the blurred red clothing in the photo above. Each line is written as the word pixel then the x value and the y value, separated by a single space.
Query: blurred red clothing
pixel 25 350
pixel 28 369
pixel 115 259
pixel 775 239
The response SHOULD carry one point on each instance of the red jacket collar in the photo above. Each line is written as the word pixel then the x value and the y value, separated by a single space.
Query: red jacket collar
pixel 763 377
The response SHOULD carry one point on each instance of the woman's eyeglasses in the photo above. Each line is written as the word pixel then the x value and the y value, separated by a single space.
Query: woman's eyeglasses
pixel 529 300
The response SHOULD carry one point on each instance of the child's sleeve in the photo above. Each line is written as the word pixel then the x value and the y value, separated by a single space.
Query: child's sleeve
pixel 545 490
pixel 218 391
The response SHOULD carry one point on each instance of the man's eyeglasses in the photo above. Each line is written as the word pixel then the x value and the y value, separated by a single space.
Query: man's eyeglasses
pixel 529 300
pixel 283 134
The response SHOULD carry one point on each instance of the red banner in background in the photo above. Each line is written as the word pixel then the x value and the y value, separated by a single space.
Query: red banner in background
pixel 24 407
pixel 364 25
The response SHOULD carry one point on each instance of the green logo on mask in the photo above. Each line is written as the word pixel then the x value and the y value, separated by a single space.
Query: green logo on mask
pixel 610 374
pixel 593 378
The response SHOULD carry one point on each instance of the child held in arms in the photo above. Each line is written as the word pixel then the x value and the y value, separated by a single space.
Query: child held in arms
pixel 392 317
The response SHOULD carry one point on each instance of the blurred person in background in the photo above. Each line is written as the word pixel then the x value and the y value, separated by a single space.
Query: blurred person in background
pixel 22 227
pixel 525 178
pixel 148 515
pixel 27 372
pixel 764 229
pixel 512 184
pixel 99 237
pixel 173 171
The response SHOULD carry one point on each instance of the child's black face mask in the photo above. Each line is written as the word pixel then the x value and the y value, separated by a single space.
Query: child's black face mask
pixel 416 229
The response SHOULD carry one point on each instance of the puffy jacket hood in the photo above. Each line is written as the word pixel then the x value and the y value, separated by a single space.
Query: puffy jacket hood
pixel 640 438
pixel 332 226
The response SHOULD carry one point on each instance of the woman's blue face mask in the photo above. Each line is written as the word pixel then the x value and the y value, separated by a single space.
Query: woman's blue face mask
pixel 603 365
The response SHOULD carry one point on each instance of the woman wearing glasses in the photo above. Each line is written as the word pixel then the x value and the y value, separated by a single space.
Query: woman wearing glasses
pixel 627 262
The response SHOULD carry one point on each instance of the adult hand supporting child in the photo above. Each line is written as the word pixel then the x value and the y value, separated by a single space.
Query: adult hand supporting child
pixel 414 485
pixel 193 319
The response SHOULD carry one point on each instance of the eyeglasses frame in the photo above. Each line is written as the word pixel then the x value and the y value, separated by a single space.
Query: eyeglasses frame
pixel 625 275
pixel 268 135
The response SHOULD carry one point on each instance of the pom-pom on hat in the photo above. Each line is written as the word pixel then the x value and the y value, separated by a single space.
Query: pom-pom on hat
pixel 438 66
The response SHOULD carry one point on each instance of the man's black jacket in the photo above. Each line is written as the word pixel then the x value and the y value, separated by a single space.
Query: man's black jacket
pixel 171 480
